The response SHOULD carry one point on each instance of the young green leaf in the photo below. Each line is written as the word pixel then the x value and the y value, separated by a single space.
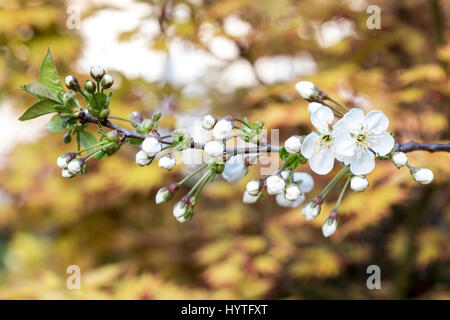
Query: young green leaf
pixel 87 139
pixel 48 75
pixel 57 124
pixel 38 90
pixel 38 109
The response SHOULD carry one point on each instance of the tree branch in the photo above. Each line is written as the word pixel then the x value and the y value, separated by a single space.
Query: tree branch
pixel 405 147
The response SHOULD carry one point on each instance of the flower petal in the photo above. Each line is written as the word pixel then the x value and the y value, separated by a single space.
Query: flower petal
pixel 382 143
pixel 363 163
pixel 307 181
pixel 309 144
pixel 344 144
pixel 321 118
pixel 354 119
pixel 321 162
pixel 376 121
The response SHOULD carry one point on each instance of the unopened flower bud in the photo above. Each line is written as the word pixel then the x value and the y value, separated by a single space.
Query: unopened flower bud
pixel 187 216
pixel 214 148
pixel 104 113
pixel 69 100
pixel 254 187
pixel 313 106
pixel 310 210
pixel 90 86
pixel 180 208
pixel 359 183
pixel 97 73
pixel 235 169
pixel 64 159
pixel 113 136
pixel 422 175
pixel 156 116
pixel 222 129
pixel 167 162
pixel 142 159
pixel 72 83
pixel 76 165
pixel 275 184
pixel 65 173
pixel 67 138
pixel 107 81
pixel 208 122
pixel 283 202
pixel 163 195
pixel 329 227
pixel 136 117
pixel 307 90
pixel 247 198
pixel 400 159
pixel 151 146
pixel 292 192
pixel 293 144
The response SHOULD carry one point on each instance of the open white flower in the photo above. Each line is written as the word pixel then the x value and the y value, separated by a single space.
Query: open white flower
pixel 235 168
pixel 360 136
pixel 313 106
pixel 293 144
pixel 318 146
pixel 222 129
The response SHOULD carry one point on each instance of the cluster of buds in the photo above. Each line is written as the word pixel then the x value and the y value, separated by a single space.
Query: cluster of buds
pixel 70 164
pixel 421 175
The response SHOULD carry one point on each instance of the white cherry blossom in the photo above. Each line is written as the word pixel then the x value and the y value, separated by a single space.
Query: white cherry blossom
pixel 359 137
pixel 318 146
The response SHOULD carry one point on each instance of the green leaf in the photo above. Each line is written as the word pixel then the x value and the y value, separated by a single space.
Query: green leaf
pixel 57 124
pixel 87 139
pixel 101 155
pixel 98 101
pixel 135 141
pixel 284 154
pixel 39 109
pixel 48 75
pixel 40 91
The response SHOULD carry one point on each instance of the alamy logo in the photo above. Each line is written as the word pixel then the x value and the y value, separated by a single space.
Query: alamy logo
pixel 74 280
pixel 73 19
pixel 374 280
pixel 374 20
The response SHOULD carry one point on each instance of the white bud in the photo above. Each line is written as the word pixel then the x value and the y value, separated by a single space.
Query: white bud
pixel 313 106
pixel 423 175
pixel 75 166
pixel 208 122
pixel 163 195
pixel 180 209
pixel 63 160
pixel 253 187
pixel 66 173
pixel 235 169
pixel 304 180
pixel 292 192
pixel 182 219
pixel 310 210
pixel 283 202
pixel 97 72
pixel 247 198
pixel 293 144
pixel 107 81
pixel 151 146
pixel 142 159
pixel 222 129
pixel 307 90
pixel 167 162
pixel 275 184
pixel 329 227
pixel 214 148
pixel 359 183
pixel 400 159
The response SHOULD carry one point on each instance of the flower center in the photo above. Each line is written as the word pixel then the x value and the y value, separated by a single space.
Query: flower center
pixel 360 138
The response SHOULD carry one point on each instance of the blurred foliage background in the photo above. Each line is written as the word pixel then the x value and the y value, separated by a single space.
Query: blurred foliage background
pixel 106 221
